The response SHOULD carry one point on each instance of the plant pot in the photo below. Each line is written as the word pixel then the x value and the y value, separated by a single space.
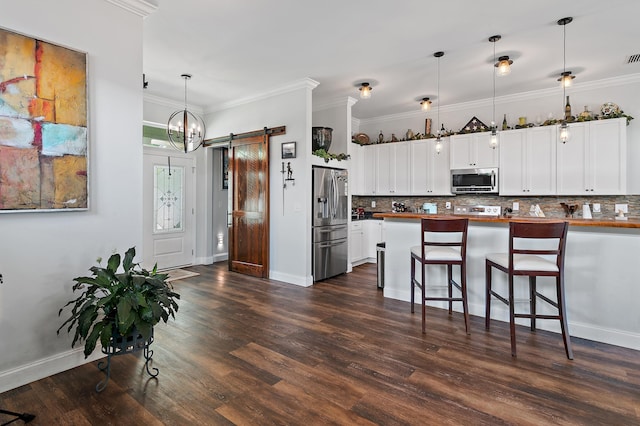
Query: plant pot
pixel 321 138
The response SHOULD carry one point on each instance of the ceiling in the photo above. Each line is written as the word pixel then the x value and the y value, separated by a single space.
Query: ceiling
pixel 237 50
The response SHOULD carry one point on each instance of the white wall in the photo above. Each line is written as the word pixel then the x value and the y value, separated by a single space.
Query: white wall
pixel 290 217
pixel 41 253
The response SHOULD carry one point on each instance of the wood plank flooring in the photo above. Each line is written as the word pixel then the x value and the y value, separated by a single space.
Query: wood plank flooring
pixel 251 351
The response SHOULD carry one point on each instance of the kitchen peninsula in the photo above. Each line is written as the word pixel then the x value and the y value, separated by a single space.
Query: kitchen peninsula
pixel 601 282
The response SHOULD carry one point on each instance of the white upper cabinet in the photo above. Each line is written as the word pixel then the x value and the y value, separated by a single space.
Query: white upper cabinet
pixel 472 150
pixel 356 169
pixel 392 168
pixel 368 186
pixel 528 161
pixel 594 159
pixel 429 169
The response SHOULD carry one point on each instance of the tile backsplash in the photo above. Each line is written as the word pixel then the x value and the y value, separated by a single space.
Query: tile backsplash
pixel 550 205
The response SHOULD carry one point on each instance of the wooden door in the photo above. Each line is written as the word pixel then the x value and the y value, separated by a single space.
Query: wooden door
pixel 249 185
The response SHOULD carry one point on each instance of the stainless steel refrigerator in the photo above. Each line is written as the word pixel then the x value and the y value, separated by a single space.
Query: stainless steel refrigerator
pixel 330 227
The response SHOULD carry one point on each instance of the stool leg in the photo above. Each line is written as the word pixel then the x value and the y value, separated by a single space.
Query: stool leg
pixel 512 318
pixel 532 301
pixel 413 286
pixel 424 306
pixel 463 284
pixel 449 278
pixel 562 310
pixel 487 313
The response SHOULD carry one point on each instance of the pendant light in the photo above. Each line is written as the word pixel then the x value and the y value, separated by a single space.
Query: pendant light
pixel 185 129
pixel 503 64
pixel 425 104
pixel 365 90
pixel 438 139
pixel 565 78
pixel 493 141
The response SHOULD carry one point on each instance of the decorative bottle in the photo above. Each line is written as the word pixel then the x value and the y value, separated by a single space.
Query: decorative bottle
pixel 567 110
pixel 380 137
pixel 504 122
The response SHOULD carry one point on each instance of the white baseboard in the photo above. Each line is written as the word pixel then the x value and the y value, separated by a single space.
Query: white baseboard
pixel 291 279
pixel 46 367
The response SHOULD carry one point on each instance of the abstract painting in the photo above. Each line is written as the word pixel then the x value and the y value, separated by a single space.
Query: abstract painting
pixel 43 125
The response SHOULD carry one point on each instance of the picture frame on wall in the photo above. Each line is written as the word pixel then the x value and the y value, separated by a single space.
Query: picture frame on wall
pixel 43 126
pixel 225 167
pixel 288 150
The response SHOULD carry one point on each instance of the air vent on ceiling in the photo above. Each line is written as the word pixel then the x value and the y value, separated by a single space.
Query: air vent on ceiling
pixel 633 58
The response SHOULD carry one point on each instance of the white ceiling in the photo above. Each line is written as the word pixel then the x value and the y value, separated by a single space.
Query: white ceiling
pixel 238 49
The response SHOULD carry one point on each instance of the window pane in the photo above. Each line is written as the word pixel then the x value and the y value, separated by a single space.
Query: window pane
pixel 168 203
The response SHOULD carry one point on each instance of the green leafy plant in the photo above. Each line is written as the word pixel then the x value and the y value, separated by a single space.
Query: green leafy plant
pixel 322 153
pixel 113 302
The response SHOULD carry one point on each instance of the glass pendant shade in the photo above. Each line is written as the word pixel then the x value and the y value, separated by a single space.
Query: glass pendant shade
pixel 365 91
pixel 438 144
pixel 504 65
pixel 565 135
pixel 425 104
pixel 493 141
pixel 566 79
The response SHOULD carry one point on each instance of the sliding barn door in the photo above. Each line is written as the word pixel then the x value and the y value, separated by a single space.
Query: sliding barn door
pixel 249 183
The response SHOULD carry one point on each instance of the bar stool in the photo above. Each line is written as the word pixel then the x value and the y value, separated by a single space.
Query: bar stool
pixel 530 262
pixel 449 249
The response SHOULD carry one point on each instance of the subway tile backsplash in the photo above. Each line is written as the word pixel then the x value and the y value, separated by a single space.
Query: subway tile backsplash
pixel 550 205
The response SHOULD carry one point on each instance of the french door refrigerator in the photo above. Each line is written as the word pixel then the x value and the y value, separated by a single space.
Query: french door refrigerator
pixel 329 225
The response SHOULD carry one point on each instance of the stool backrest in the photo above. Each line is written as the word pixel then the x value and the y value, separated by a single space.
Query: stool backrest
pixel 539 230
pixel 456 228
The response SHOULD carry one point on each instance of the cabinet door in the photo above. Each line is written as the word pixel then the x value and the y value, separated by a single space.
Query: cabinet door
pixel 356 169
pixel 369 170
pixel 572 160
pixel 383 169
pixel 512 162
pixel 608 157
pixel 356 247
pixel 482 154
pixel 540 177
pixel 460 151
pixel 420 167
pixel 372 236
pixel 400 175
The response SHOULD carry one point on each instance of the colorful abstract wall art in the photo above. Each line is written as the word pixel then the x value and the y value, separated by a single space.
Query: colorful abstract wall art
pixel 43 125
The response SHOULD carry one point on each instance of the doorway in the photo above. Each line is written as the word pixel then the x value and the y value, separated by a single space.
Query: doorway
pixel 168 208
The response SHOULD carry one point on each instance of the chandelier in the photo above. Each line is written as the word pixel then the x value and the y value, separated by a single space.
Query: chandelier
pixel 185 129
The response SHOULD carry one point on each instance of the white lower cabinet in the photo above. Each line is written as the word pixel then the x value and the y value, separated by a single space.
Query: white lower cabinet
pixel 373 235
pixel 356 242
pixel 528 161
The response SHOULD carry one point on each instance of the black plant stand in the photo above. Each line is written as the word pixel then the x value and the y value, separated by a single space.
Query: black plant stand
pixel 121 345
pixel 25 417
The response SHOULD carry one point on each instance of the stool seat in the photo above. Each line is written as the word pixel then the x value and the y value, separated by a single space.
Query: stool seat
pixel 437 253
pixel 523 262
pixel 443 242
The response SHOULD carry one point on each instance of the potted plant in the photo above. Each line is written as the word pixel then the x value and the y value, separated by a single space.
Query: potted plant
pixel 116 304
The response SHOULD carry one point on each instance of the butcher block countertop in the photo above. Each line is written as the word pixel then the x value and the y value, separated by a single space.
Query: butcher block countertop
pixel 598 222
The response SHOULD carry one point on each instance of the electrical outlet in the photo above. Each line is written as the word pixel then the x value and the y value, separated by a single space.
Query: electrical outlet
pixel 596 207
pixel 447 205
pixel 516 206
pixel 373 204
pixel 623 207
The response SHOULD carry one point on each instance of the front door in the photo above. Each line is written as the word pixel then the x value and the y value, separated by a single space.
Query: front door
pixel 249 186
pixel 168 209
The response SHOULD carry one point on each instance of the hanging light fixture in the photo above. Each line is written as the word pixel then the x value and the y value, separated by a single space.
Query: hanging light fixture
pixel 365 90
pixel 493 141
pixel 438 138
pixel 185 129
pixel 565 77
pixel 425 104
pixel 504 63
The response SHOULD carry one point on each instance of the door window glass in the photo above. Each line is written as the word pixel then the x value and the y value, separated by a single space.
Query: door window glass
pixel 168 202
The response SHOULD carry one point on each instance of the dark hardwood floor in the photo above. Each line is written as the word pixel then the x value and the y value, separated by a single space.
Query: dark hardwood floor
pixel 251 351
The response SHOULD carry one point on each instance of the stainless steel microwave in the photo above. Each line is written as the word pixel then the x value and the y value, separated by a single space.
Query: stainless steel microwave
pixel 474 181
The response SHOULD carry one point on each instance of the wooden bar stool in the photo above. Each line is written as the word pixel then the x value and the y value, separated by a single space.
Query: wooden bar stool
pixel 449 249
pixel 531 262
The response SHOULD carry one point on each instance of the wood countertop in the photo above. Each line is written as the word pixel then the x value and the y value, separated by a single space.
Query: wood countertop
pixel 601 222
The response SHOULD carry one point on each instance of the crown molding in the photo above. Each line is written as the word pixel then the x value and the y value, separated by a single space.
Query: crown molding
pixel 305 83
pixel 524 96
pixel 335 103
pixel 142 8
pixel 170 103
